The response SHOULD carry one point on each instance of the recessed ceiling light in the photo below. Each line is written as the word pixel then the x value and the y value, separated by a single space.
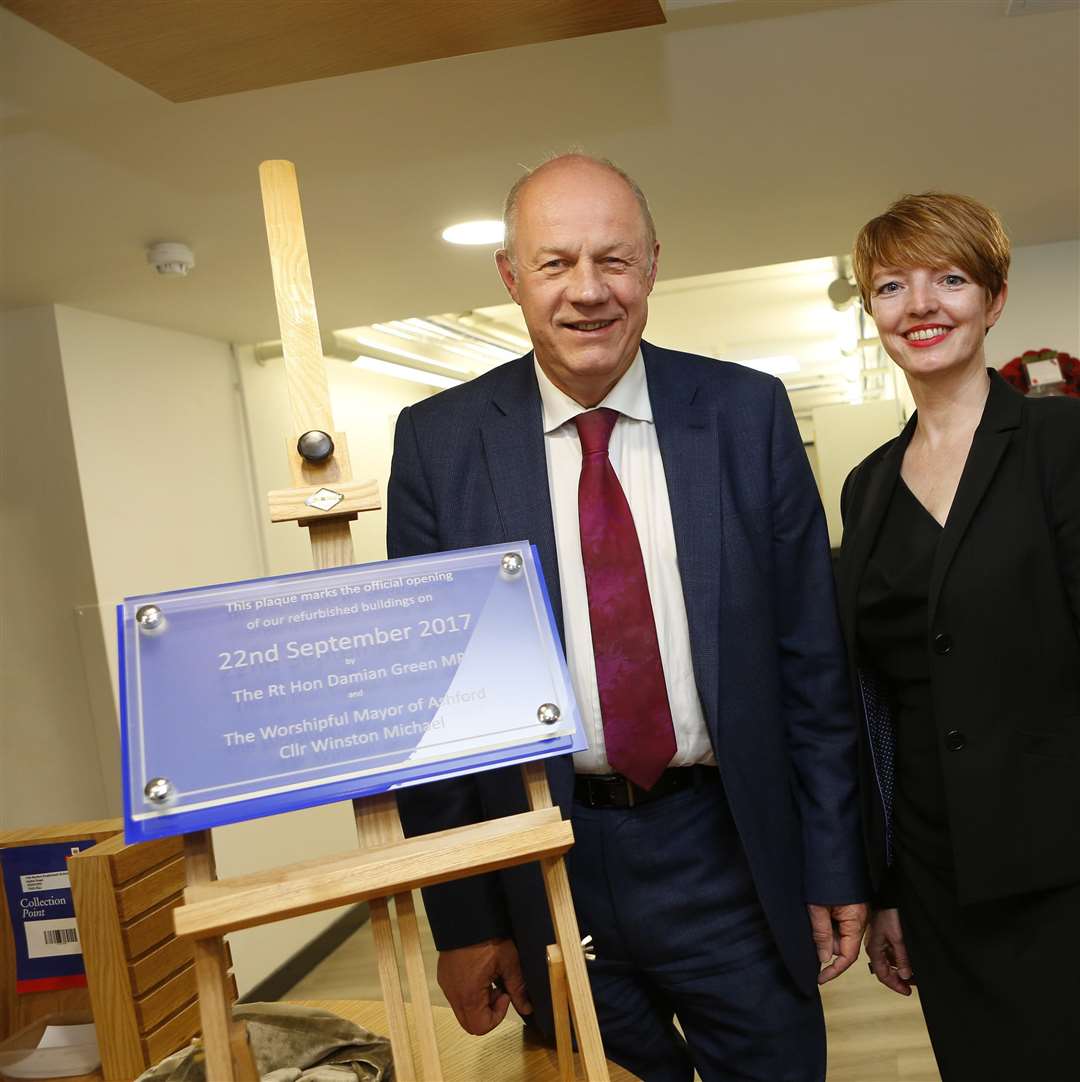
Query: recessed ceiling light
pixel 488 231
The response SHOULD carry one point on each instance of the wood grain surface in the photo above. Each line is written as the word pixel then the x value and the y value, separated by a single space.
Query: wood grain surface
pixel 246 901
pixel 190 49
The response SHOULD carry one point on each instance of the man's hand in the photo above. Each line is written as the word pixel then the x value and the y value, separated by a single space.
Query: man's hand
pixel 481 981
pixel 887 953
pixel 837 931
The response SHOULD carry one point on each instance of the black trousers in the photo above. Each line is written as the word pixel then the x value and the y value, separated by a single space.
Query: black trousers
pixel 997 980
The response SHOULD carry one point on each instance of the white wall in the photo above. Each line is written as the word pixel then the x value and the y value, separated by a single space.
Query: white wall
pixel 51 766
pixel 162 457
pixel 844 436
pixel 1043 308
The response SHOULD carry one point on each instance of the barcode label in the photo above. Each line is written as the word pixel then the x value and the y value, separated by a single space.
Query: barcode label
pixel 62 935
pixel 50 938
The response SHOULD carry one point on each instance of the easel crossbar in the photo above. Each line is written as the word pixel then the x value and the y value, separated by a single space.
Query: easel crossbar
pixel 225 905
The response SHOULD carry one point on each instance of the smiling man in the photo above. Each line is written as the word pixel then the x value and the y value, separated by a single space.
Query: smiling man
pixel 717 860
pixel 580 259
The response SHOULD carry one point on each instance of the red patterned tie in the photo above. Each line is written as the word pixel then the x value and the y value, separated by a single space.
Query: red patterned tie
pixel 638 733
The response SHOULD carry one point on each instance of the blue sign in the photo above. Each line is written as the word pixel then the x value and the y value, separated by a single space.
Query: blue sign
pixel 48 954
pixel 253 698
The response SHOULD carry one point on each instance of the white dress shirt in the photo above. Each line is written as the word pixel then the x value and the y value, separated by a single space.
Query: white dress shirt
pixel 635 455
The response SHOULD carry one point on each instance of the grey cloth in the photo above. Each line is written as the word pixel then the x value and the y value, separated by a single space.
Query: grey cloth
pixel 292 1044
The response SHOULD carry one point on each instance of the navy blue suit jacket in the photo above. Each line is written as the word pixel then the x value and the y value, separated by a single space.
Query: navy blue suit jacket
pixel 469 469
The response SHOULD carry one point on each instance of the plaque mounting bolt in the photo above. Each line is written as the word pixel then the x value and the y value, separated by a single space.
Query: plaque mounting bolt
pixel 158 790
pixel 151 619
pixel 548 713
pixel 511 564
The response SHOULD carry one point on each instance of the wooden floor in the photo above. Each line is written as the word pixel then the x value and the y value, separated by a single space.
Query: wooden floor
pixel 874 1034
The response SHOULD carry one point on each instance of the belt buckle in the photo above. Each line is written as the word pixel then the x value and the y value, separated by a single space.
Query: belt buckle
pixel 631 797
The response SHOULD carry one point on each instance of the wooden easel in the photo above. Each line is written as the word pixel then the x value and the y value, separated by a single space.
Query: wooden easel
pixel 388 865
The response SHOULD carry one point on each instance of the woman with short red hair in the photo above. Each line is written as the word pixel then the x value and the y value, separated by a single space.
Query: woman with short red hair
pixel 960 593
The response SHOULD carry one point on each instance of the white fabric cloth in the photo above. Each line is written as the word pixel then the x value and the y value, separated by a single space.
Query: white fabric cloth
pixel 635 455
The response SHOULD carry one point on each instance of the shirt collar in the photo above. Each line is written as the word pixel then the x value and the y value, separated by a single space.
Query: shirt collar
pixel 630 397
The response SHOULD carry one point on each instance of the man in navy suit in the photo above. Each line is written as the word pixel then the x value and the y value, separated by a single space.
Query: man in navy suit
pixel 717 863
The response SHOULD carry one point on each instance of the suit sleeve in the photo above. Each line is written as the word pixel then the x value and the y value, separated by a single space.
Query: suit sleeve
pixel 815 697
pixel 463 911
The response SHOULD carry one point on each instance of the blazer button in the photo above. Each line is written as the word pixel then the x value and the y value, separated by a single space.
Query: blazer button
pixel 942 643
pixel 955 740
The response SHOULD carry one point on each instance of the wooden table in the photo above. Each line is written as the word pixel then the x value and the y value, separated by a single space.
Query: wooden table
pixel 501 1056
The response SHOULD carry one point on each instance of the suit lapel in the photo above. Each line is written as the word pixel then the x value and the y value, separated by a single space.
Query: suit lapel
pixel 1001 416
pixel 688 449
pixel 513 439
pixel 869 506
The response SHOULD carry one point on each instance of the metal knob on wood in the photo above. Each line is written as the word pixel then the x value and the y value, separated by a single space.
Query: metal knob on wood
pixel 315 446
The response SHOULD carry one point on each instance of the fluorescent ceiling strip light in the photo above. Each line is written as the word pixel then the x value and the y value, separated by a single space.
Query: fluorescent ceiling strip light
pixel 383 347
pixel 466 339
pixel 404 371
pixel 398 330
pixel 428 327
pixel 486 326
pixel 775 366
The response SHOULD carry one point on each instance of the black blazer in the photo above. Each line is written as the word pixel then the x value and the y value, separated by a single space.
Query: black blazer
pixel 1003 636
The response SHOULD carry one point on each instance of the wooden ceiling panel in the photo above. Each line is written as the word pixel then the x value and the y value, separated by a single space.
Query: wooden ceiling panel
pixel 190 49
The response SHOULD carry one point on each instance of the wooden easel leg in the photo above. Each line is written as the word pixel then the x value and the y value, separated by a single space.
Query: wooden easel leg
pixel 228 1054
pixel 415 974
pixel 561 905
pixel 564 1047
pixel 214 1009
pixel 390 980
pixel 378 823
pixel 557 885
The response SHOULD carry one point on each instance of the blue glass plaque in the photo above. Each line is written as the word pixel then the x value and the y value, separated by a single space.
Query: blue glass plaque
pixel 259 697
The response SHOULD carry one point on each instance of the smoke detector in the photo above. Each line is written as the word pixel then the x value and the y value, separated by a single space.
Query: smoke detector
pixel 171 258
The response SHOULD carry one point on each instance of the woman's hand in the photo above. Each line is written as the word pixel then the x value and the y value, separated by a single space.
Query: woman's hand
pixel 886 950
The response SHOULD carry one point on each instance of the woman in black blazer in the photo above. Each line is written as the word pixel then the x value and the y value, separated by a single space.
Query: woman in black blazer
pixel 959 584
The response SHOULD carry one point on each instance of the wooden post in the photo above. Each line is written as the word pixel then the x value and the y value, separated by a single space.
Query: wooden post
pixel 228 1055
pixel 561 904
pixel 560 1009
pixel 378 823
pixel 331 546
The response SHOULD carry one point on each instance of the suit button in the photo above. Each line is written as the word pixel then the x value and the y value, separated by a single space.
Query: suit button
pixel 942 643
pixel 955 740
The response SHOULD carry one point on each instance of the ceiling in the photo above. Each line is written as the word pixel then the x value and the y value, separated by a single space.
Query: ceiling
pixel 758 140
pixel 248 46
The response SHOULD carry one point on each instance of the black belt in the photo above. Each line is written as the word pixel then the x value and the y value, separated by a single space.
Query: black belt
pixel 615 791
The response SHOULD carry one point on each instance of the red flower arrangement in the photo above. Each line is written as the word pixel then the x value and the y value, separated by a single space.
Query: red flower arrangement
pixel 1015 373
